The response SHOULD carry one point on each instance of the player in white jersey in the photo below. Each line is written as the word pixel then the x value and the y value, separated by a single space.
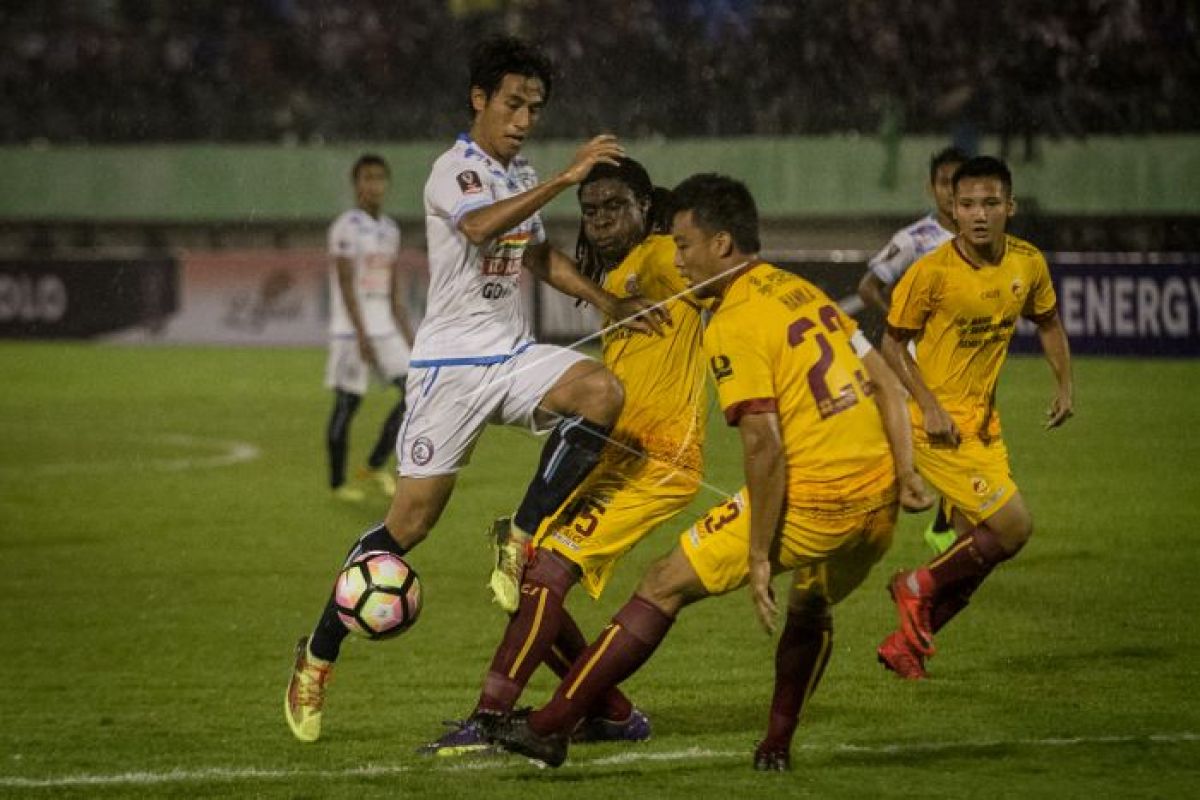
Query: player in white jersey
pixel 913 241
pixel 369 329
pixel 908 245
pixel 474 361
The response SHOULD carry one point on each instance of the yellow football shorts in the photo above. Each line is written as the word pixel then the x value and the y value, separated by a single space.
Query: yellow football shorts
pixel 974 477
pixel 624 498
pixel 829 554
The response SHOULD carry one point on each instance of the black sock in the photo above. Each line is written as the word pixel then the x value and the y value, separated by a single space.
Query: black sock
pixel 386 445
pixel 327 637
pixel 570 454
pixel 337 434
pixel 941 522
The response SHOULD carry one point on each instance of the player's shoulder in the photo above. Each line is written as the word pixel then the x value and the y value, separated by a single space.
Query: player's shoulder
pixel 940 258
pixel 464 154
pixel 352 219
pixel 1023 249
pixel 767 288
pixel 656 253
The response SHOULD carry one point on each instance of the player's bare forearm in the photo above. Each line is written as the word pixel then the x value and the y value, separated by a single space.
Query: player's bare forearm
pixel 485 224
pixel 870 289
pixel 894 348
pixel 938 424
pixel 766 475
pixel 1058 353
pixel 889 398
pixel 399 308
pixel 766 483
pixel 559 271
pixel 489 222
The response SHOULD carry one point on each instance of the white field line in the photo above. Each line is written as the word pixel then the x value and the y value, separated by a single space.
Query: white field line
pixel 221 453
pixel 633 756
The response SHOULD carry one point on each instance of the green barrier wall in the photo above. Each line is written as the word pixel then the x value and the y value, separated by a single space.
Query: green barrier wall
pixel 790 177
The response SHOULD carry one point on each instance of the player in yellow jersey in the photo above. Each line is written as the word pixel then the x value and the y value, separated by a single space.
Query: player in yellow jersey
pixel 827 457
pixel 960 304
pixel 649 471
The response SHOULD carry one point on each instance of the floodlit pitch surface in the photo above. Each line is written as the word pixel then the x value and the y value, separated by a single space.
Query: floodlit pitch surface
pixel 165 535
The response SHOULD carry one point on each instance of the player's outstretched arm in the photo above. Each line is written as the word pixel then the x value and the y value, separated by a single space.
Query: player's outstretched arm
pixel 485 224
pixel 938 424
pixel 889 397
pixel 560 271
pixel 1058 353
pixel 766 483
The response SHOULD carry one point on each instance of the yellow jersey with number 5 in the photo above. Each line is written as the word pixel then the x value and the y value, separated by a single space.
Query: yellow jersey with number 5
pixel 778 343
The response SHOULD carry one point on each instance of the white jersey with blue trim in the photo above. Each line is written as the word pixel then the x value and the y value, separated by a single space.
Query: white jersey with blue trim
pixel 473 311
pixel 371 245
pixel 909 244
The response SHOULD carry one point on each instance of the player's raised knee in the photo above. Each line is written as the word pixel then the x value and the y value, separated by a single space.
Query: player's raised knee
pixel 601 396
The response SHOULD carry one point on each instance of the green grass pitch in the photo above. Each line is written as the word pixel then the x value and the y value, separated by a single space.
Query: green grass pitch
pixel 153 584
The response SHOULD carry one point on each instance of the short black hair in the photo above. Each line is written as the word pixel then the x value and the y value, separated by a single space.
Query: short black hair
pixel 369 160
pixel 985 167
pixel 719 203
pixel 947 155
pixel 634 175
pixel 497 56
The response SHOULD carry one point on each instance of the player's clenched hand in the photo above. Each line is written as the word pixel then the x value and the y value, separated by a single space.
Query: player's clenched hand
pixel 762 594
pixel 939 427
pixel 1062 408
pixel 913 494
pixel 639 314
pixel 604 149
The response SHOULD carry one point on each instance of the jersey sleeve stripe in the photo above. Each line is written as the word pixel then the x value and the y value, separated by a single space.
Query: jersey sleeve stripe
pixel 757 405
pixel 462 209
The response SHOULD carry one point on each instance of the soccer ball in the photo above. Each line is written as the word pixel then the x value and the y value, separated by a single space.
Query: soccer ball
pixel 378 595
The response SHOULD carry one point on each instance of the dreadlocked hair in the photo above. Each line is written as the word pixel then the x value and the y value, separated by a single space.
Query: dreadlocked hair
pixel 658 214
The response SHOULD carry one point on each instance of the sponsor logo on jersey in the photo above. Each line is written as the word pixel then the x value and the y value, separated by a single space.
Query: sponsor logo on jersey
pixel 468 181
pixel 722 368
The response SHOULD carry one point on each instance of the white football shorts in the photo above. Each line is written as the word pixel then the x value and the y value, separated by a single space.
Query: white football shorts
pixel 449 406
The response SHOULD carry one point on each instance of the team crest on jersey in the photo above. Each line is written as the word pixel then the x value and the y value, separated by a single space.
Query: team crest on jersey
pixel 1017 287
pixel 632 286
pixel 468 181
pixel 979 486
pixel 721 367
pixel 422 451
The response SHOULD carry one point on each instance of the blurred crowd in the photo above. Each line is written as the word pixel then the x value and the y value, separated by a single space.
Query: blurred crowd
pixel 341 70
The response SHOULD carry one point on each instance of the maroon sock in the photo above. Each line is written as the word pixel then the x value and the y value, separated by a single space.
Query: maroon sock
pixel 530 634
pixel 947 604
pixel 800 658
pixel 630 639
pixel 972 556
pixel 570 644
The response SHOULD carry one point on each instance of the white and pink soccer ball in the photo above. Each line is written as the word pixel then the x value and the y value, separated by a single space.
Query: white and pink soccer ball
pixel 378 595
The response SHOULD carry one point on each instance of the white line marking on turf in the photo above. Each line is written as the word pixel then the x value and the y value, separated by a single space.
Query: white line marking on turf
pixel 231 774
pixel 227 453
